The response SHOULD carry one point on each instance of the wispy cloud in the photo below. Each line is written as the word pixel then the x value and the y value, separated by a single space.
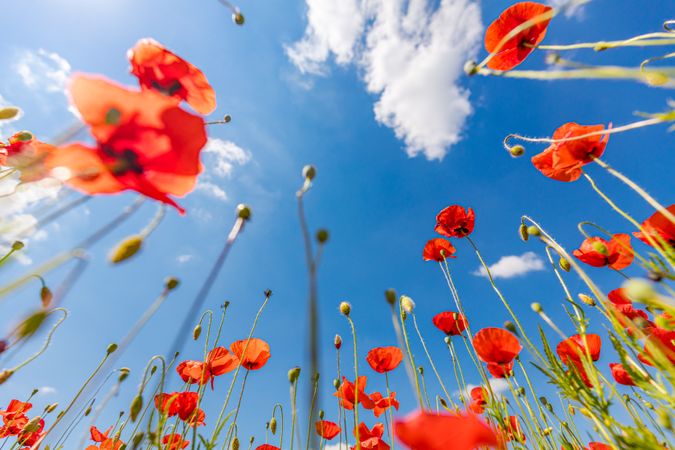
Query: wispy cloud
pixel 513 266
pixel 47 390
pixel 43 70
pixel 412 55
pixel 212 190
pixel 185 258
pixel 225 155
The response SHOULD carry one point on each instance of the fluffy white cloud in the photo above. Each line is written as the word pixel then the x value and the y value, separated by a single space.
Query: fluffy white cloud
pixel 412 55
pixel 225 155
pixel 212 190
pixel 513 266
pixel 43 70
pixel 47 390
pixel 570 8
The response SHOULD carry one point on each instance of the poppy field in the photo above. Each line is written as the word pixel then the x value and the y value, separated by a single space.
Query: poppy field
pixel 477 373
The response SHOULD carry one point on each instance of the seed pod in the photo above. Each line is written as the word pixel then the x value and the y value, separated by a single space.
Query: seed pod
pixel 511 327
pixel 136 406
pixel 196 332
pixel 322 414
pixel 126 249
pixel 17 245
pixel 517 151
pixel 243 212
pixel 336 383
pixel 235 443
pixel 111 348
pixel 273 425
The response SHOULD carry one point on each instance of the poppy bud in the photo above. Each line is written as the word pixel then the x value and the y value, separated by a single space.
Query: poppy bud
pixel 390 296
pixel 51 408
pixel 32 425
pixel 111 348
pixel 250 441
pixel 137 439
pixel 547 431
pixel 420 369
pixel 443 403
pixel 124 373
pixel 536 307
pixel 46 296
pixel 345 308
pixel 336 383
pixel 3 346
pixel 238 18
pixel 235 443
pixel 407 303
pixel 171 283
pixel 153 370
pixel 533 231
pixel 517 150
pixel 273 425
pixel 60 414
pixel 447 340
pixel 564 264
pixel 126 249
pixel 470 68
pixel 587 299
pixel 639 290
pixel 293 374
pixel 511 327
pixel 309 172
pixel 227 118
pixel 136 406
pixel 86 411
pixel 571 410
pixel 17 245
pixel 321 414
pixel 196 332
pixel 522 229
pixel 322 236
pixel 337 342
pixel 243 212
pixel 29 326
pixel 9 112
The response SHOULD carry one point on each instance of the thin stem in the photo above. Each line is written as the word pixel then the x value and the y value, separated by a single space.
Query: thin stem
pixel 431 362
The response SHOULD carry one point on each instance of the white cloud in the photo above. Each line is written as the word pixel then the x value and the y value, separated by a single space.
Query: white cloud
pixel 412 56
pixel 226 154
pixel 47 390
pixel 497 385
pixel 43 70
pixel 212 190
pixel 182 259
pixel 570 8
pixel 513 266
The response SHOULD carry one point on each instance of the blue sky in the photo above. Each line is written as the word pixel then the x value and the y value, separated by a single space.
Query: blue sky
pixel 377 201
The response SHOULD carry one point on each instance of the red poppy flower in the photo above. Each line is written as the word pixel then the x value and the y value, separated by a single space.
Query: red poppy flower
pixel 430 431
pixel 498 348
pixel 455 221
pixel 659 228
pixel 257 353
pixel 27 154
pixel 14 418
pixel 347 394
pixel 371 439
pixel 106 442
pixel 267 447
pixel 598 446
pixel 218 362
pixel 384 359
pixel 577 367
pixel 513 432
pixel 563 161
pixel 626 313
pixel 144 142
pixel 174 441
pixel 29 438
pixel 382 403
pixel 163 71
pixel 479 397
pixel 662 340
pixel 597 252
pixel 326 429
pixel 181 404
pixel 619 297
pixel 572 348
pixel 450 323
pixel 620 374
pixel 516 49
pixel 438 249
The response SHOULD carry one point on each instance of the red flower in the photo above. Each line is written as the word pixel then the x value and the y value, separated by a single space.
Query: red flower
pixel 598 446
pixel 563 161
pixel 518 47
pixel 618 297
pixel 181 404
pixel 498 348
pixel 371 439
pixel 161 70
pixel 218 362
pixel 14 418
pixel 513 430
pixel 663 340
pixel 30 438
pixel 597 252
pixel 174 442
pixel 267 447
pixel 106 443
pixel 478 400
pixel 620 374
pixel 429 431
pixel 327 430
pixel 455 221
pixel 438 249
pixel 347 394
pixel 450 323
pixel 382 403
pixel 659 228
pixel 572 349
pixel 384 359
pixel 144 142
pixel 27 154
pixel 256 355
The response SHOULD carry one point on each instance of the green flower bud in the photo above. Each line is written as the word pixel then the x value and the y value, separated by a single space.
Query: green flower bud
pixel 522 229
pixel 171 283
pixel 345 308
pixel 322 236
pixel 126 249
pixel 243 212
pixel 309 172
pixel 136 406
pixel 536 307
pixel 564 264
pixel 390 296
pixel 517 151
pixel 533 231
pixel 293 374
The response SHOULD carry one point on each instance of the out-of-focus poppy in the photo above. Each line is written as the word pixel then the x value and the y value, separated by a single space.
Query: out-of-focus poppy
pixel 478 399
pixel 563 161
pixel 663 341
pixel 616 253
pixel 347 390
pixel 513 432
pixel 371 439
pixel 326 429
pixel 174 441
pixel 28 439
pixel 384 359
pixel 26 154
pixel 144 142
pixel 455 221
pixel 14 418
pixel 619 297
pixel 163 71
pixel 659 228
pixel 256 353
pixel 598 446
pixel 430 431
pixel 620 374
pixel 516 49
pixel 383 403
pixel 450 323
pixel 573 348
pixel 438 249
pixel 498 348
